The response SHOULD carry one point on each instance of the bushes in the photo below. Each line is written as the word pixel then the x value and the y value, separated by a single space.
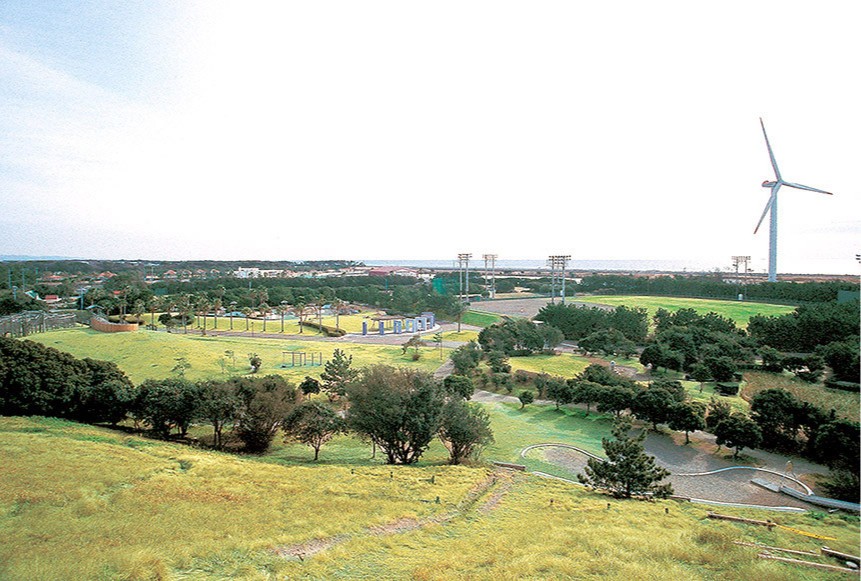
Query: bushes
pixel 39 380
pixel 326 329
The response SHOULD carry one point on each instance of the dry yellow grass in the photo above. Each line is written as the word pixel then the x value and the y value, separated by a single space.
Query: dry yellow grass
pixel 79 502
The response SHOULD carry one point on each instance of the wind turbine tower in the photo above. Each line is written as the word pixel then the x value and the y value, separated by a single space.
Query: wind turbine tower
pixel 772 205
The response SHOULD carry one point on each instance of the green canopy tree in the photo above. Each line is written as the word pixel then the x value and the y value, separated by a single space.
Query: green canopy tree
pixel 464 430
pixel 313 424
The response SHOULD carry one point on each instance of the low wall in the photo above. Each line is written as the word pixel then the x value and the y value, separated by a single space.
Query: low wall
pixel 106 327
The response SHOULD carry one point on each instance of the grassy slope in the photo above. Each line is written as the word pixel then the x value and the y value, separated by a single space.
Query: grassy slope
pixel 845 403
pixel 83 502
pixel 147 354
pixel 740 312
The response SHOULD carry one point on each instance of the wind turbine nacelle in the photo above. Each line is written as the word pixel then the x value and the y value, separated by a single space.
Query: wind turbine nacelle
pixel 768 184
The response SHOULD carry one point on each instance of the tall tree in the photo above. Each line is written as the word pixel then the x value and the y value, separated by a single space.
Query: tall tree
pixel 739 432
pixel 337 374
pixel 313 424
pixel 397 409
pixel 464 430
pixel 628 470
pixel 219 405
pixel 687 417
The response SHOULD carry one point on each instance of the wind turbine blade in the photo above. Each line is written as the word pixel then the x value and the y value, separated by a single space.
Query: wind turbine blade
pixel 767 207
pixel 808 188
pixel 770 153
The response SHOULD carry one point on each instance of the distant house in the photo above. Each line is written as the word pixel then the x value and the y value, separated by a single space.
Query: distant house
pixel 393 271
pixel 52 299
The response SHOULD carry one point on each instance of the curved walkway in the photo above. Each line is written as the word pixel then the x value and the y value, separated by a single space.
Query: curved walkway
pixel 718 486
pixel 694 473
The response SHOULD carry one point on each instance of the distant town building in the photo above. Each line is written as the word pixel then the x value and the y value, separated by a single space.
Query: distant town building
pixel 393 271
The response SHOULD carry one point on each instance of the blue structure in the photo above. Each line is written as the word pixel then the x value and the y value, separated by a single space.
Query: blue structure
pixel 431 319
pixel 364 327
pixel 398 327
pixel 382 328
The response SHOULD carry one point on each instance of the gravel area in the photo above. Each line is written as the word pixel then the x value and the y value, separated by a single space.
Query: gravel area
pixel 527 308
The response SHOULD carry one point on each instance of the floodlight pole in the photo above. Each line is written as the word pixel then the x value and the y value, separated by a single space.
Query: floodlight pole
pixel 463 272
pixel 491 258
pixel 738 261
pixel 557 261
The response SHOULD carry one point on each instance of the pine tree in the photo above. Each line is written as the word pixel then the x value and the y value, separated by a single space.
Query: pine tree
pixel 338 374
pixel 628 470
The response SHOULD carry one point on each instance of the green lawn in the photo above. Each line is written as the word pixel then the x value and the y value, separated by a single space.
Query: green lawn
pixel 563 364
pixel 349 323
pixel 739 311
pixel 479 318
pixel 152 355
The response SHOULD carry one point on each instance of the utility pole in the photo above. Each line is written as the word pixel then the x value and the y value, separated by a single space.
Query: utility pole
pixel 490 258
pixel 557 263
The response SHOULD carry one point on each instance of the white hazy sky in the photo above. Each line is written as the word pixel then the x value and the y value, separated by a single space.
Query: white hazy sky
pixel 406 130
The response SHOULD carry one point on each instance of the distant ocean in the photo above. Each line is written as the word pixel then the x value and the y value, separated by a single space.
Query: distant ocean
pixel 817 266
pixel 602 265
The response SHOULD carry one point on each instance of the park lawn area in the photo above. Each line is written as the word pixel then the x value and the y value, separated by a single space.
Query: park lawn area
pixel 563 364
pixel 479 318
pixel 515 428
pixel 693 389
pixel 152 355
pixel 349 323
pixel 464 336
pixel 738 311
pixel 844 403
pixel 81 502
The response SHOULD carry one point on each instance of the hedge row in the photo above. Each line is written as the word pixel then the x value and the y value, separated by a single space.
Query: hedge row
pixel 327 330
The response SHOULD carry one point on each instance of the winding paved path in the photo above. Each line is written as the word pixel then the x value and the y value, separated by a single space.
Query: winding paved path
pixel 730 486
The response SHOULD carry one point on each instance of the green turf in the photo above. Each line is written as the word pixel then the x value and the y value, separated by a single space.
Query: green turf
pixel 562 364
pixel 738 311
pixel 152 355
pixel 480 318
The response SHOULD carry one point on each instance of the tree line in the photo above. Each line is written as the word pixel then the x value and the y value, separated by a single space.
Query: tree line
pixel 400 411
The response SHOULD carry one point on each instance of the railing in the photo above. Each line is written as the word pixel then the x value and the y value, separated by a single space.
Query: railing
pixel 31 322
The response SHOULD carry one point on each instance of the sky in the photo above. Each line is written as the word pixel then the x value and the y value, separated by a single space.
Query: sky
pixel 405 130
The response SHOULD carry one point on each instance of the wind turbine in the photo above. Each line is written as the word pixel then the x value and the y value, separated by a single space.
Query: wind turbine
pixel 772 205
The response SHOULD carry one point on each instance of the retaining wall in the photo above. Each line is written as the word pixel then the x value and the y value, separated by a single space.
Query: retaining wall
pixel 106 327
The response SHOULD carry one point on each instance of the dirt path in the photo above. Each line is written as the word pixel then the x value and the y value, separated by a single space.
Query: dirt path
pixel 483 498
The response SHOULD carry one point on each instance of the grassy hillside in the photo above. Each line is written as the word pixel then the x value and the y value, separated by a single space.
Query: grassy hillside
pixel 845 403
pixel 739 311
pixel 151 355
pixel 79 502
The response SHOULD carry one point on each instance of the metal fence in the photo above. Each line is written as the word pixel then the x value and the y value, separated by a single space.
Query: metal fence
pixel 31 322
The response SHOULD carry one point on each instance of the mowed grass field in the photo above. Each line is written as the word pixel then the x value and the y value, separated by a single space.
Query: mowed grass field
pixel 152 354
pixel 349 323
pixel 738 311
pixel 480 318
pixel 80 502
